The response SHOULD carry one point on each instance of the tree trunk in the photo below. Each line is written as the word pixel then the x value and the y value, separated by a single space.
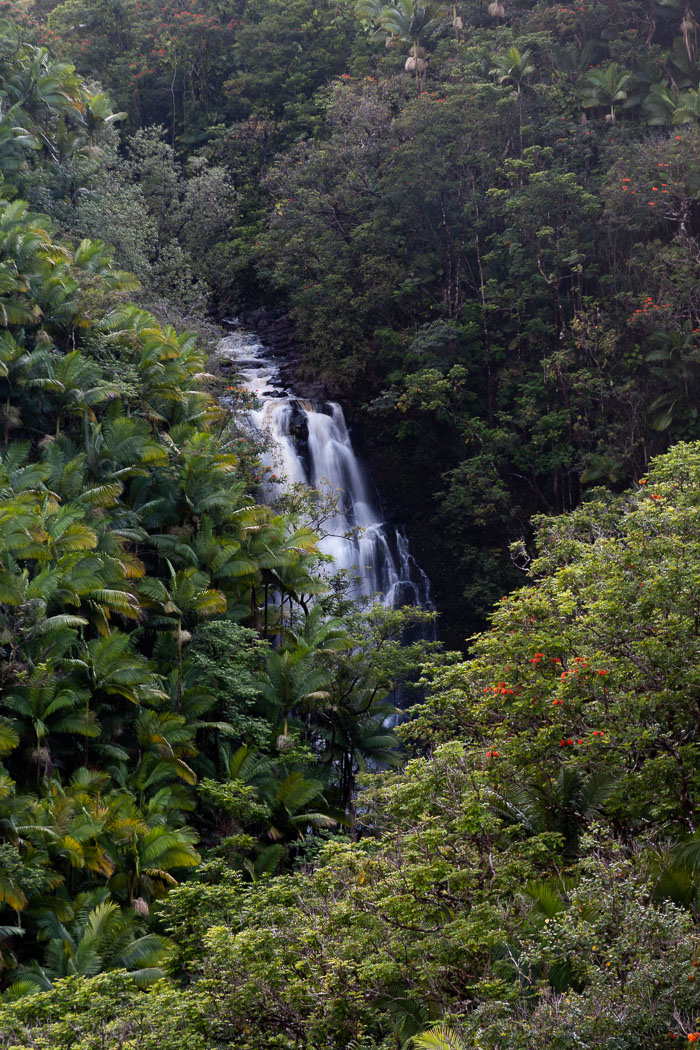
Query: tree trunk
pixel 179 666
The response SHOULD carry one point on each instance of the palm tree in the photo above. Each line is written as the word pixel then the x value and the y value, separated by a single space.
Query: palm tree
pixel 206 733
pixel 515 68
pixel 201 478
pixel 574 62
pixel 293 679
pixel 188 596
pixel 146 857
pixel 292 801
pixel 15 141
pixel 45 86
pixel 289 801
pixel 45 707
pixel 296 675
pixel 96 586
pixel 246 765
pixel 9 737
pixel 17 364
pixel 65 532
pixel 284 562
pixel 28 261
pixel 439 1037
pixel 65 465
pixel 74 382
pixel 167 364
pixel 565 805
pixel 72 573
pixel 676 362
pixel 678 873
pixel 357 738
pixel 102 936
pixel 164 741
pixel 11 891
pixel 295 574
pixel 606 87
pixel 113 669
pixel 115 450
pixel 688 109
pixel 603 467
pixel 675 877
pixel 665 105
pixel 219 554
pixel 660 105
pixel 18 476
pixel 16 812
pixel 410 21
pixel 69 829
pixel 416 24
pixel 98 114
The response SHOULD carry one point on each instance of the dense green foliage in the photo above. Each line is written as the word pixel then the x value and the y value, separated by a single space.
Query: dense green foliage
pixel 536 873
pixel 496 248
pixel 483 222
pixel 134 733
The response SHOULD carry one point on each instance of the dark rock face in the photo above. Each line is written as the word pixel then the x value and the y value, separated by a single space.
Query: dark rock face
pixel 299 429
pixel 277 332
pixel 298 424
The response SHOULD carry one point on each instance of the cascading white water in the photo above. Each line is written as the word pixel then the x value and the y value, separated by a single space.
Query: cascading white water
pixel 310 443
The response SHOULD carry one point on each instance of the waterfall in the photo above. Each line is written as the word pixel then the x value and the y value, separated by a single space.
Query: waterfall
pixel 309 443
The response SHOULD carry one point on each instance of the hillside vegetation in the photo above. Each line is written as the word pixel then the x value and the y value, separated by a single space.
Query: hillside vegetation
pixel 492 256
pixel 482 222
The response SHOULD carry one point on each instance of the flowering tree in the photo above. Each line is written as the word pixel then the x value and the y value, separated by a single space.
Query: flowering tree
pixel 594 663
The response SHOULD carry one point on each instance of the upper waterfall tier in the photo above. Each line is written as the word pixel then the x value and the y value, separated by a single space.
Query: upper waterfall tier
pixel 309 443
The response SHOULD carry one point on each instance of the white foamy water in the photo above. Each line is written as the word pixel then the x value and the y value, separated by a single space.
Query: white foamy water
pixel 309 443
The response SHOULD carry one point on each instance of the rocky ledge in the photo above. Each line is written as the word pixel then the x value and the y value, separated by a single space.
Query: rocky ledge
pixel 277 333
